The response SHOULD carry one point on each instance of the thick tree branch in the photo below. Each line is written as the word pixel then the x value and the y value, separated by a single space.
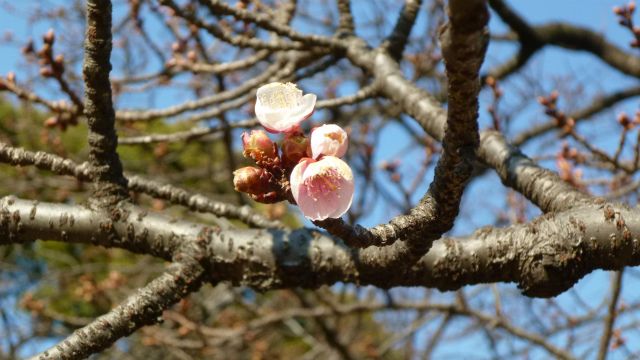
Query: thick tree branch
pixel 545 257
pixel 110 183
pixel 541 186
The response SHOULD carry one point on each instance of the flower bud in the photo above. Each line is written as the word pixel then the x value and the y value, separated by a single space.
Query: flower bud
pixel 51 122
pixel 329 140
pixel 28 48
pixel 192 56
pixel 295 146
pixel 46 72
pixel 58 63
pixel 258 146
pixel 49 37
pixel 251 180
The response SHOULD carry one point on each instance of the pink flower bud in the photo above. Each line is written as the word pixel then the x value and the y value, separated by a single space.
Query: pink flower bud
pixel 323 188
pixel 329 140
pixel 258 146
pixel 295 146
pixel 251 180
pixel 281 107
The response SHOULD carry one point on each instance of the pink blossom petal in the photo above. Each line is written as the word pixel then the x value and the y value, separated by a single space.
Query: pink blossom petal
pixel 295 179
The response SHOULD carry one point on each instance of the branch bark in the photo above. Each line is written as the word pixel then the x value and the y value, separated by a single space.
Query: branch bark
pixel 110 183
pixel 545 257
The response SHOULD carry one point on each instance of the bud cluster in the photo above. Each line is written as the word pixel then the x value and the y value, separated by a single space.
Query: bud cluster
pixel 305 170
pixel 53 66
pixel 625 19
pixel 563 121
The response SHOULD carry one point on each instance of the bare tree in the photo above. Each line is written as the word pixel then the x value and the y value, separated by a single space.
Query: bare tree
pixel 426 81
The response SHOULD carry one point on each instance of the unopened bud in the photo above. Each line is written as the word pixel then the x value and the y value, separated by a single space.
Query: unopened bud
pixel 49 37
pixel 251 180
pixel 192 56
pixel 543 100
pixel 46 71
pixel 330 140
pixel 295 146
pixel 51 122
pixel 59 63
pixel 28 47
pixel 258 146
pixel 625 121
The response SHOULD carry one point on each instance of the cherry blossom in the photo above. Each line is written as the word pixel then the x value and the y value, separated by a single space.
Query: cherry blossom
pixel 281 107
pixel 322 188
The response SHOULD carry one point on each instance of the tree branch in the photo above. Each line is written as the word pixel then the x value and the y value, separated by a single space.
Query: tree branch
pixel 595 106
pixel 534 38
pixel 464 43
pixel 612 313
pixel 541 186
pixel 173 194
pixel 545 257
pixel 218 7
pixel 397 40
pixel 110 183
pixel 141 309
pixel 429 114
